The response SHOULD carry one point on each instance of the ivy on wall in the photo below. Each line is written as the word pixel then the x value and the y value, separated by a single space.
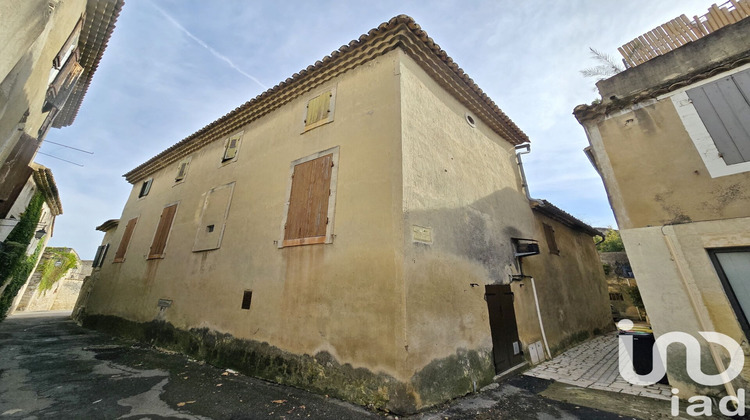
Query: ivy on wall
pixel 15 265
pixel 55 267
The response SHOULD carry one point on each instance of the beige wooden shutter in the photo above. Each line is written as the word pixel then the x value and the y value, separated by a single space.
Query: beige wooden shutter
pixel 307 217
pixel 120 254
pixel 182 171
pixel 318 109
pixel 231 151
pixel 162 232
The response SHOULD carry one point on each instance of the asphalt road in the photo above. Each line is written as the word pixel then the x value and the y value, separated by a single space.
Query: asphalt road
pixel 52 368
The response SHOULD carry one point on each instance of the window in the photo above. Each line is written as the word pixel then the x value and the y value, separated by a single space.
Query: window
pixel 312 192
pixel 120 254
pixel 182 169
pixel 319 109
pixel 101 253
pixel 616 296
pixel 231 148
pixel 247 298
pixel 162 232
pixel 733 267
pixel 549 232
pixel 724 108
pixel 213 218
pixel 145 187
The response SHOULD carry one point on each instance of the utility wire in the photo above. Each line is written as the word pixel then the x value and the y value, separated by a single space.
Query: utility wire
pixel 55 157
pixel 69 147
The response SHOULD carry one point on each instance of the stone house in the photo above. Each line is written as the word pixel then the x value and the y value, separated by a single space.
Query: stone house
pixel 671 140
pixel 48 56
pixel 361 230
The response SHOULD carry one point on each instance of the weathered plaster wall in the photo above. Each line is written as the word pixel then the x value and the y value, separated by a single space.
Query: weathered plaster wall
pixel 676 276
pixel 571 289
pixel 342 299
pixel 26 68
pixel 655 173
pixel 462 183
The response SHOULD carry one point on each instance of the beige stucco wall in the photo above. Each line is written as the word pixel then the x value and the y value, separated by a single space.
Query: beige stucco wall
pixel 343 298
pixel 37 36
pixel 463 183
pixel 680 287
pixel 654 173
pixel 571 289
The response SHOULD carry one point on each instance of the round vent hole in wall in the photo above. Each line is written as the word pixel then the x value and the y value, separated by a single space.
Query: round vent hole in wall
pixel 470 120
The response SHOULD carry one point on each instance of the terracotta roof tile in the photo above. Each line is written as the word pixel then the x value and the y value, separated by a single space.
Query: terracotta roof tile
pixel 101 16
pixel 399 32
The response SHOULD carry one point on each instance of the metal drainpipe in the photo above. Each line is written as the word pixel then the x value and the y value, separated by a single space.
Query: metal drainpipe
pixel 525 185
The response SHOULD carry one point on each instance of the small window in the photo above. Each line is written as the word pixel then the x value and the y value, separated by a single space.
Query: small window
pixel 101 254
pixel 319 109
pixel 724 108
pixel 129 228
pixel 231 147
pixel 549 232
pixel 145 187
pixel 247 298
pixel 733 267
pixel 162 232
pixel 182 169
pixel 311 200
pixel 616 296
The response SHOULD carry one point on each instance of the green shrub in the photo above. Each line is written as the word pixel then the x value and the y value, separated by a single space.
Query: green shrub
pixel 56 266
pixel 15 266
pixel 612 242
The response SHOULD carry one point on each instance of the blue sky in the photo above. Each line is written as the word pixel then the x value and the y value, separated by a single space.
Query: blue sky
pixel 173 66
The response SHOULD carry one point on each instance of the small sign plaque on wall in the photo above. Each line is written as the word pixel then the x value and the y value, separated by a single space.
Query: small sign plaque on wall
pixel 421 234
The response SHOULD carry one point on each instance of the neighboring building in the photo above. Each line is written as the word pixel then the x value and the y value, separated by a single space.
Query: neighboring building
pixel 622 286
pixel 39 182
pixel 671 140
pixel 54 286
pixel 48 56
pixel 355 230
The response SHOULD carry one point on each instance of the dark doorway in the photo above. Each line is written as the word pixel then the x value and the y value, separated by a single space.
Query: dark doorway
pixel 506 349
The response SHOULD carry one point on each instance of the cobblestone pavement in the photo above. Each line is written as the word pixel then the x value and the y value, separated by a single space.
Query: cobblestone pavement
pixel 593 364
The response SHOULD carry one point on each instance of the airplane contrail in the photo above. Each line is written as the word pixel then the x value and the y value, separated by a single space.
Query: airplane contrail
pixel 215 53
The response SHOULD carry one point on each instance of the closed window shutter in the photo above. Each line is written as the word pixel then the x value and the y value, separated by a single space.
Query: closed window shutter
pixel 318 109
pixel 162 232
pixel 307 217
pixel 68 74
pixel 120 254
pixel 551 242
pixel 182 171
pixel 231 151
pixel 724 108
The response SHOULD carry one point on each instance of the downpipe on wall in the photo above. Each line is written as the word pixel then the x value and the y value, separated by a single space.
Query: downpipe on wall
pixel 525 185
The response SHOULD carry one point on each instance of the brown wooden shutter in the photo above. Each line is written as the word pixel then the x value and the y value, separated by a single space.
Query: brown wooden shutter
pixel 318 109
pixel 307 217
pixel 71 42
pixel 162 232
pixel 120 254
pixel 551 242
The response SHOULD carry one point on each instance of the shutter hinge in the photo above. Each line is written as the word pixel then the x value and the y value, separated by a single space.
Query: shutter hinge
pixel 326 220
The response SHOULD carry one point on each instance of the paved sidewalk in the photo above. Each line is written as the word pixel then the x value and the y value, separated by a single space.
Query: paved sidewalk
pixel 593 364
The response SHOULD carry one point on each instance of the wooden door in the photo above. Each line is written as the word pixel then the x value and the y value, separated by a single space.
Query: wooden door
pixel 506 348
